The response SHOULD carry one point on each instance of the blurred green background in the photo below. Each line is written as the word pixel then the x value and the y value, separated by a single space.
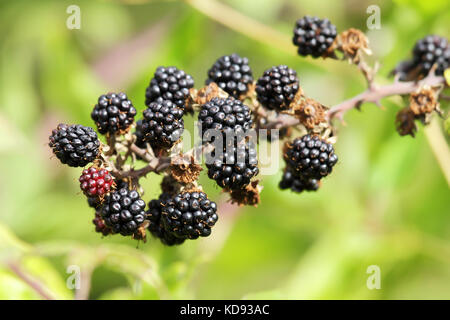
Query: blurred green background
pixel 386 204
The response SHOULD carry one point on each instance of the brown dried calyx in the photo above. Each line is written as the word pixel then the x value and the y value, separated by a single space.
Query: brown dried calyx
pixel 247 196
pixel 352 43
pixel 424 101
pixel 184 169
pixel 404 122
pixel 205 94
pixel 309 111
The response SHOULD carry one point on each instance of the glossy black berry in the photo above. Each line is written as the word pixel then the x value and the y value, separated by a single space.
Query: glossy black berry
pixel 232 74
pixel 277 87
pixel 310 157
pixel 234 167
pixel 162 124
pixel 169 83
pixel 113 113
pixel 297 184
pixel 74 145
pixel 432 50
pixel 156 226
pixel 224 115
pixel 313 36
pixel 189 215
pixel 123 211
pixel 139 135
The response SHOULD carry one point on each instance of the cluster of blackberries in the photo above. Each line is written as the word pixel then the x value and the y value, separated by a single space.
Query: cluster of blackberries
pixel 308 159
pixel 169 83
pixel 74 145
pixel 277 87
pixel 313 36
pixel 233 166
pixel 162 124
pixel 113 113
pixel 187 215
pixel 123 211
pixel 232 74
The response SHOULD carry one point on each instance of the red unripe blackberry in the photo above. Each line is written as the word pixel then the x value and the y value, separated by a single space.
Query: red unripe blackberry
pixel 224 115
pixel 100 225
pixel 234 167
pixel 189 215
pixel 313 36
pixel 297 184
pixel 163 124
pixel 155 226
pixel 432 50
pixel 277 87
pixel 74 145
pixel 310 157
pixel 232 74
pixel 169 83
pixel 123 211
pixel 113 113
pixel 95 182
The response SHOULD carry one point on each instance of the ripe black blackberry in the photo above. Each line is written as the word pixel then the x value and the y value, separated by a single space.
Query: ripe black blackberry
pixel 224 115
pixel 432 50
pixel 313 36
pixel 277 87
pixel 113 113
pixel 309 157
pixel 162 125
pixel 155 226
pixel 232 74
pixel 169 83
pixel 74 145
pixel 234 167
pixel 123 211
pixel 189 215
pixel 297 184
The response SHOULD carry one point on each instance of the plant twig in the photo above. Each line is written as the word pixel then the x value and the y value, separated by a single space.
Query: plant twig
pixel 35 285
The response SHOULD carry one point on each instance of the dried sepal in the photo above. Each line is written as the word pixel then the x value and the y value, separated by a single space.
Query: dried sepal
pixel 404 122
pixel 423 101
pixel 184 169
pixel 309 111
pixel 247 196
pixel 352 43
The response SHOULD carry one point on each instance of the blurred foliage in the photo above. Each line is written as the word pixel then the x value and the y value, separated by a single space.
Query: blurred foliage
pixel 387 202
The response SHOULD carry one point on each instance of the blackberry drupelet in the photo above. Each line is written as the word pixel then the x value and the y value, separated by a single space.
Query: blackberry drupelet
pixel 232 74
pixel 432 50
pixel 309 157
pixel 93 202
pixel 297 184
pixel 224 115
pixel 162 125
pixel 189 215
pixel 155 226
pixel 113 113
pixel 234 167
pixel 95 182
pixel 277 87
pixel 123 211
pixel 313 36
pixel 169 83
pixel 74 145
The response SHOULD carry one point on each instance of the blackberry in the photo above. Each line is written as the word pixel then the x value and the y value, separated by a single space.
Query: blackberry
pixel 309 157
pixel 189 215
pixel 232 74
pixel 169 83
pixel 162 125
pixel 155 226
pixel 277 87
pixel 432 50
pixel 74 145
pixel 100 225
pixel 139 135
pixel 313 36
pixel 95 182
pixel 234 167
pixel 224 115
pixel 123 211
pixel 297 184
pixel 93 202
pixel 113 113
